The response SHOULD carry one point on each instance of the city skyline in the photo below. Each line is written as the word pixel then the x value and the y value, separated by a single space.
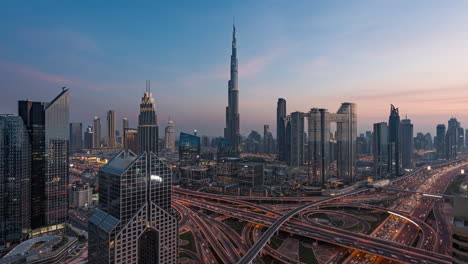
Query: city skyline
pixel 313 56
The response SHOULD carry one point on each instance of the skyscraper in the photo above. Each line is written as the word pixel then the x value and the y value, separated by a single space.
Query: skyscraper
pixel 124 124
pixel 296 139
pixel 111 140
pixel 169 137
pixel 394 142
pixel 451 139
pixel 189 149
pixel 15 180
pixel 380 143
pixel 231 132
pixel 96 132
pixel 135 222
pixel 76 137
pixel 440 141
pixel 281 128
pixel 48 130
pixel 346 133
pixel 407 144
pixel 88 137
pixel 148 131
pixel 130 139
pixel 267 140
pixel 319 144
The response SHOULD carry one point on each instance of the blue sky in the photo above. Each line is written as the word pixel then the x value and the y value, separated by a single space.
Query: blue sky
pixel 312 53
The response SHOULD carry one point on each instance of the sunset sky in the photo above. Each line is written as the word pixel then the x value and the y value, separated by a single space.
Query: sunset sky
pixel 413 54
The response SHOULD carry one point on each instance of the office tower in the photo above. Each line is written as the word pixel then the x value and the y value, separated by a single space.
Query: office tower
pixel 267 140
pixel 189 149
pixel 135 222
pixel 394 142
pixel 281 128
pixel 407 144
pixel 169 137
pixel 48 130
pixel 440 141
pixel 96 132
pixel 251 174
pixel 380 143
pixel 76 137
pixel 361 145
pixel 296 139
pixel 15 180
pixel 231 132
pixel 124 124
pixel 346 132
pixel 88 138
pixel 369 141
pixel 451 139
pixel 130 139
pixel 111 139
pixel 148 131
pixel 227 170
pixel 428 140
pixel 318 144
pixel 461 139
pixel 253 143
pixel 205 141
pixel 224 147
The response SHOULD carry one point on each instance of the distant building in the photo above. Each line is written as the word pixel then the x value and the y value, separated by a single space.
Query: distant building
pixel 440 141
pixel 380 143
pixel 76 137
pixel 81 196
pixel 407 144
pixel 15 180
pixel 148 131
pixel 195 174
pixel 189 149
pixel 227 170
pixel 394 141
pixel 130 139
pixel 169 137
pixel 111 137
pixel 295 139
pixel 268 142
pixel 96 132
pixel 253 143
pixel 251 174
pixel 135 222
pixel 88 138
pixel 452 139
pixel 281 128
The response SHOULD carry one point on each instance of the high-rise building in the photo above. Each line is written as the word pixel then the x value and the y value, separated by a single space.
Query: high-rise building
pixel 394 155
pixel 189 149
pixel 251 174
pixel 135 222
pixel 440 141
pixel 461 139
pixel 295 139
pixel 407 144
pixel 267 140
pixel 15 180
pixel 452 139
pixel 380 143
pixel 130 139
pixel 346 133
pixel 111 138
pixel 48 130
pixel 169 137
pixel 76 137
pixel 148 131
pixel 232 132
pixel 281 128
pixel 318 144
pixel 88 137
pixel 96 132
pixel 124 124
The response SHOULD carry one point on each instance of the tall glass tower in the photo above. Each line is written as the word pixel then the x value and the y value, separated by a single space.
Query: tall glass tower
pixel 394 134
pixel 111 139
pixel 15 180
pixel 148 124
pixel 135 222
pixel 231 132
pixel 281 128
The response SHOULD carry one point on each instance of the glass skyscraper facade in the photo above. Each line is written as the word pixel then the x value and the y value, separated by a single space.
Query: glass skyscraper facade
pixel 135 222
pixel 15 180
pixel 148 131
pixel 380 144
pixel 76 137
pixel 189 149
pixel 394 134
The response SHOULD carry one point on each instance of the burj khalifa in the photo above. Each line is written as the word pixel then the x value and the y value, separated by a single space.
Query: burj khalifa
pixel 231 132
